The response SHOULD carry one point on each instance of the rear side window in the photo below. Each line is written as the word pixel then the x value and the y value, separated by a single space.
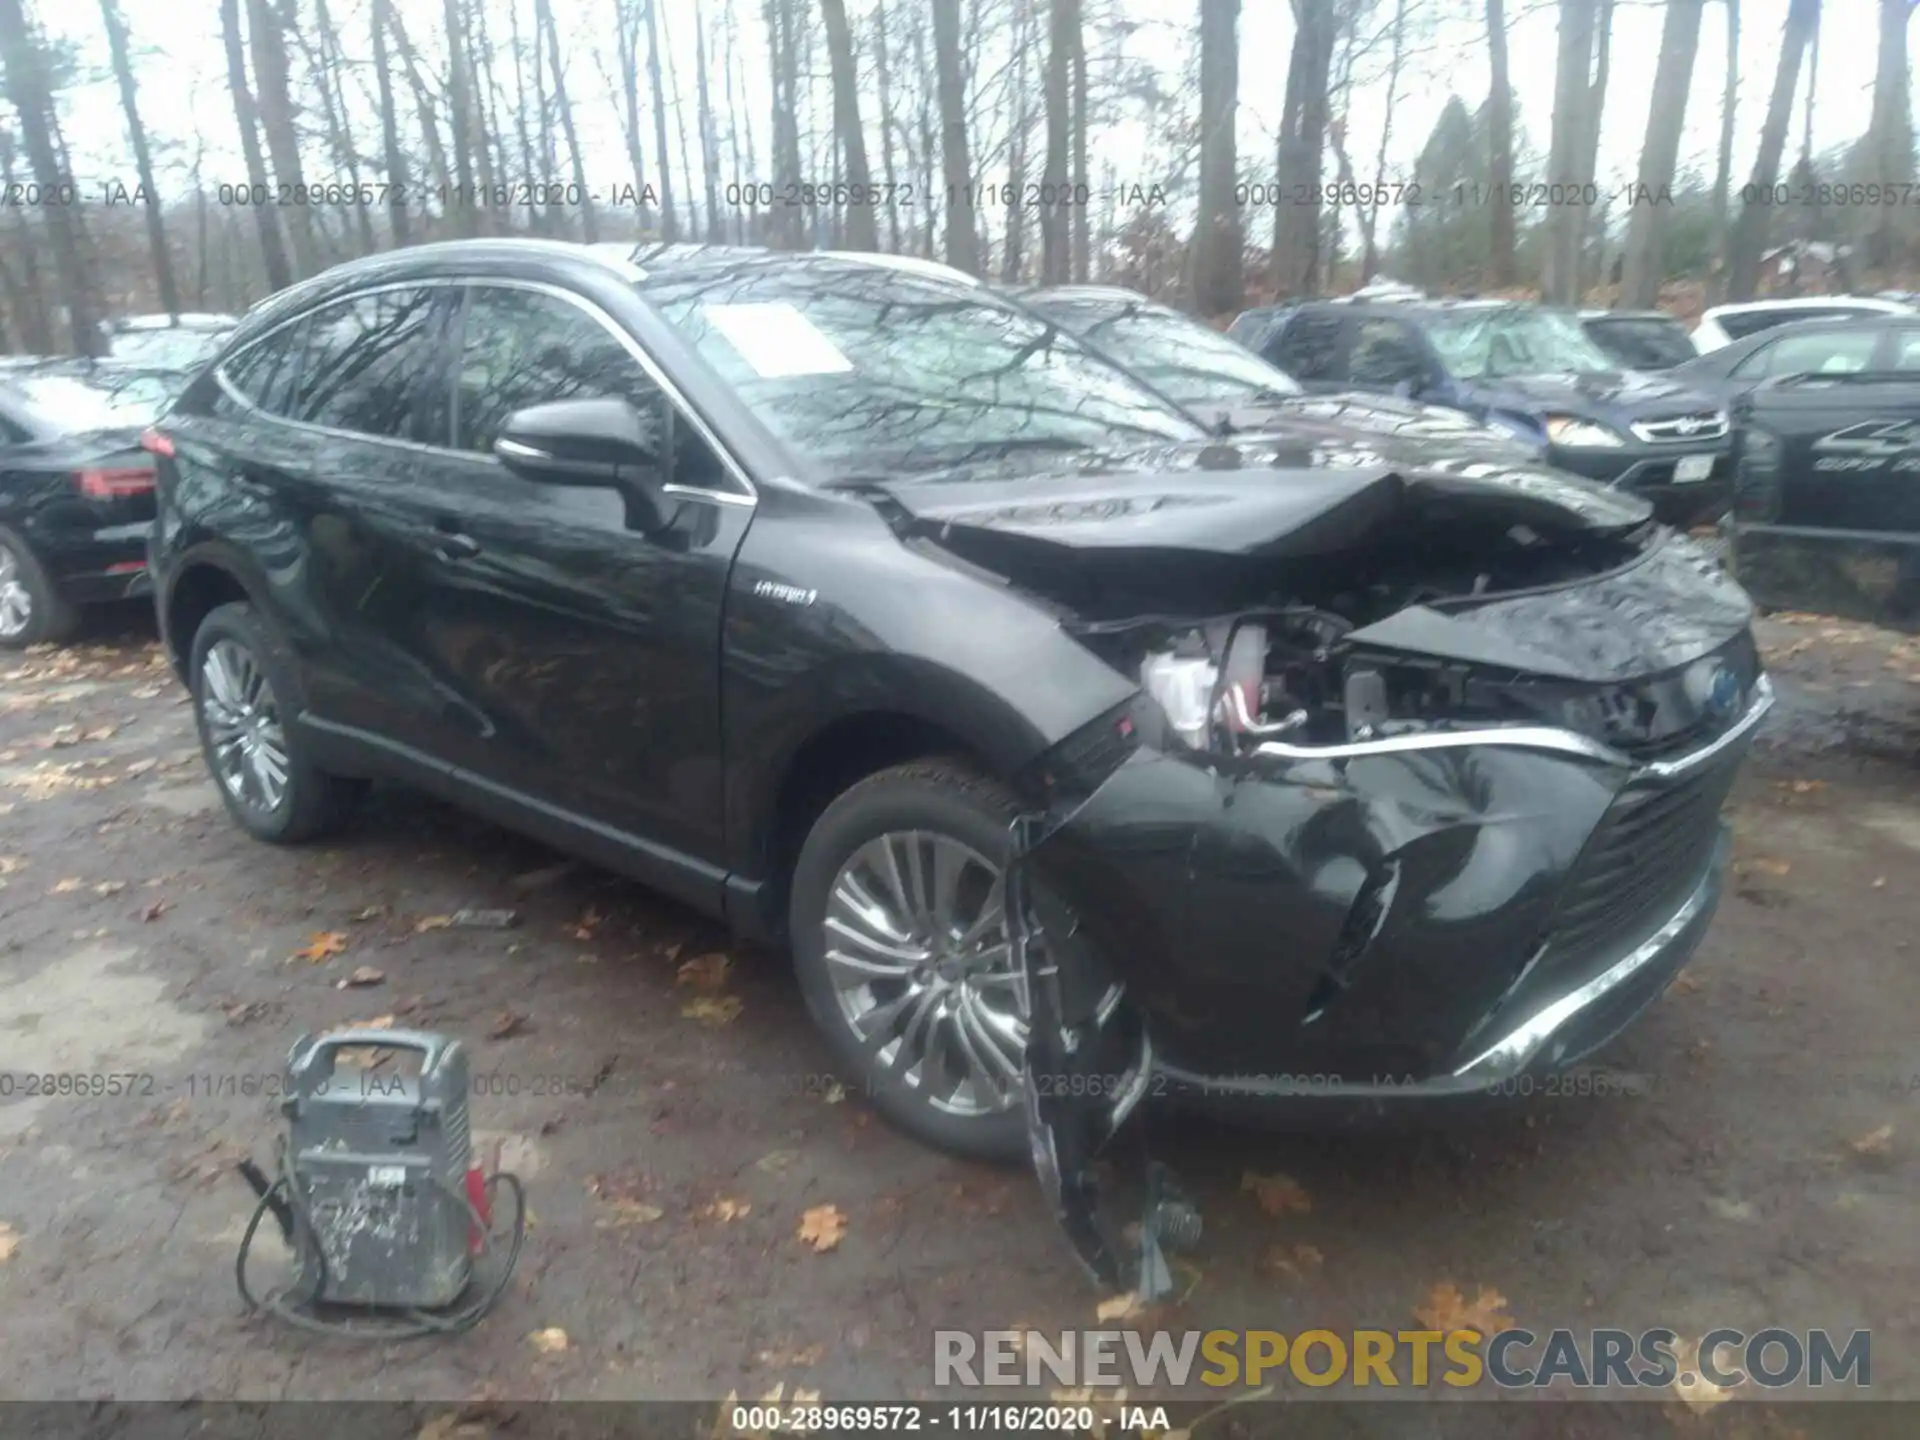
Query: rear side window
pixel 1906 349
pixel 362 364
pixel 1827 354
pixel 1309 347
pixel 263 372
pixel 1386 352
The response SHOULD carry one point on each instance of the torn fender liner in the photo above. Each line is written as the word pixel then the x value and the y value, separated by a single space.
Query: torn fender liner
pixel 1073 1107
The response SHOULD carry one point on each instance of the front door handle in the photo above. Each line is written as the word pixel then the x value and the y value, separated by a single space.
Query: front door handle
pixel 452 545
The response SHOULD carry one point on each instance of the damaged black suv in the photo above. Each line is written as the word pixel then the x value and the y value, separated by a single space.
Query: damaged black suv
pixel 1077 757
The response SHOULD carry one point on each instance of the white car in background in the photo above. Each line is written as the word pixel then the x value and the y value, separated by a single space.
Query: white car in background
pixel 1724 324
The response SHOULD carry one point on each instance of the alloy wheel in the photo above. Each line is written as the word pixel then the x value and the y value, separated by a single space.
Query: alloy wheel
pixel 16 605
pixel 245 736
pixel 918 954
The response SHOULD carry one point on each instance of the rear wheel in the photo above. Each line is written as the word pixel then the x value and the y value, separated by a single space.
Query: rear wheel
pixel 899 935
pixel 31 611
pixel 241 687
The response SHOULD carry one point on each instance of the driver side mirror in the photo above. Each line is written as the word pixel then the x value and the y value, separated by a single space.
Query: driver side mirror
pixel 599 444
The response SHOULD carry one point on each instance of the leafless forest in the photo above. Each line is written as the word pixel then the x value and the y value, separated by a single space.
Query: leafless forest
pixel 974 131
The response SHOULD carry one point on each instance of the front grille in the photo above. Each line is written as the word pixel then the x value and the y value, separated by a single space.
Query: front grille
pixel 1644 859
pixel 1701 425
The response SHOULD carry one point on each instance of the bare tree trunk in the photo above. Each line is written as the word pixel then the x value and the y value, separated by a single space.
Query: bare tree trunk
pixel 1666 118
pixel 1056 239
pixel 1370 212
pixel 1013 253
pixel 744 224
pixel 1590 140
pixel 1890 132
pixel 328 66
pixel 926 135
pixel 680 125
pixel 963 240
pixel 390 131
pixel 783 43
pixel 492 157
pixel 460 120
pixel 276 122
pixel 1502 268
pixel 543 19
pixel 1218 249
pixel 1813 84
pixel 626 47
pixel 1082 192
pixel 142 156
pixel 1750 230
pixel 272 249
pixel 35 323
pixel 1723 171
pixel 709 135
pixel 1301 147
pixel 1572 92
pixel 422 102
pixel 862 232
pixel 884 79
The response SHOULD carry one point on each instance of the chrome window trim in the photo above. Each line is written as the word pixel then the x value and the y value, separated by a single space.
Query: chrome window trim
pixel 540 287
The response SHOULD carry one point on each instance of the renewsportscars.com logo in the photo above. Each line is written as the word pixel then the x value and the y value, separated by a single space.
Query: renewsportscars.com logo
pixel 1510 1359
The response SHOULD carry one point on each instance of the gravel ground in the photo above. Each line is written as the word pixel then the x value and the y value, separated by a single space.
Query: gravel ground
pixel 1752 1161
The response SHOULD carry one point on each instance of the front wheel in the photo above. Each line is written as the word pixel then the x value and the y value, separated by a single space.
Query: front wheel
pixel 241 690
pixel 31 610
pixel 898 926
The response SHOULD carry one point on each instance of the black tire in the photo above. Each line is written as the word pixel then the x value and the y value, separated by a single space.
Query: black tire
pixel 313 802
pixel 49 618
pixel 946 798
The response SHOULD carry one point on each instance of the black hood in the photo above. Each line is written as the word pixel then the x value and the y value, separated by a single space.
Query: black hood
pixel 1273 497
pixel 1613 397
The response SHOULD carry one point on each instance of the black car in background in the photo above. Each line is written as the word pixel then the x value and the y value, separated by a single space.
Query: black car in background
pixel 1826 512
pixel 76 503
pixel 1520 368
pixel 1829 346
pixel 1639 339
pixel 1228 387
pixel 866 610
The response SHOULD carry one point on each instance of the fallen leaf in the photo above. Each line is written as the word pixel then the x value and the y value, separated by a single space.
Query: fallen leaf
pixel 1292 1261
pixel 9 1241
pixel 507 1024
pixel 705 972
pixel 726 1210
pixel 549 1341
pixel 140 767
pixel 362 976
pixel 372 912
pixel 1874 1142
pixel 432 922
pixel 105 732
pixel 1690 1386
pixel 1277 1194
pixel 365 1057
pixel 9 864
pixel 155 910
pixel 1775 868
pixel 1118 1307
pixel 1446 1309
pixel 624 1212
pixel 774 1161
pixel 109 887
pixel 325 943
pixel 67 887
pixel 821 1227
pixel 714 1012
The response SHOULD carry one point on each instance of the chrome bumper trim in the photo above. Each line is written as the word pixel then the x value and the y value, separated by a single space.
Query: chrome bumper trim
pixel 1511 1053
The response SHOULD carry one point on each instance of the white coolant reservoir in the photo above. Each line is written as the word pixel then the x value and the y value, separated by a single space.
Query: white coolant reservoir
pixel 1182 686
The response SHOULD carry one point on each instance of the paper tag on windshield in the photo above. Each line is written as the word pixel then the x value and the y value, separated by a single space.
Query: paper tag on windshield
pixel 777 340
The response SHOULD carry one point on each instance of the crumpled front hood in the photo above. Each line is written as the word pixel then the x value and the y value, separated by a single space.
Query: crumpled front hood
pixel 1673 607
pixel 1289 497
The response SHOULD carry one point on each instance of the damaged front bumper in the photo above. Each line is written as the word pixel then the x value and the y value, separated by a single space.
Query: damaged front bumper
pixel 1428 915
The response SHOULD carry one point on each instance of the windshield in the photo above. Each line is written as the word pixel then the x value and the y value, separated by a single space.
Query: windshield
pixel 1178 356
pixel 72 404
pixel 866 370
pixel 1482 344
pixel 1643 344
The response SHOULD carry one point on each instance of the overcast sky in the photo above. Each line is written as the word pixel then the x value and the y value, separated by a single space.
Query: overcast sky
pixel 182 87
